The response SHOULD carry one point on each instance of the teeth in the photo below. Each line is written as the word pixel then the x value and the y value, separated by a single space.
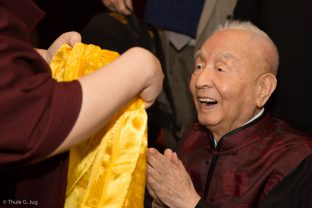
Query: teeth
pixel 207 100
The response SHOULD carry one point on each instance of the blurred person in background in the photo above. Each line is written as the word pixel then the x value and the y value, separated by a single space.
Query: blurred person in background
pixel 182 27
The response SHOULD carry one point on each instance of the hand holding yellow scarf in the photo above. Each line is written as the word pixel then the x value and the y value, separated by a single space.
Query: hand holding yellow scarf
pixel 109 169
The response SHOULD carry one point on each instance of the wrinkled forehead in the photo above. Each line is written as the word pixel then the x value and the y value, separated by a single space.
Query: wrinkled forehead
pixel 247 48
pixel 243 42
pixel 230 38
pixel 231 45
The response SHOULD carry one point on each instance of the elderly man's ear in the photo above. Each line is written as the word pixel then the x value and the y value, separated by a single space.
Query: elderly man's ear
pixel 266 86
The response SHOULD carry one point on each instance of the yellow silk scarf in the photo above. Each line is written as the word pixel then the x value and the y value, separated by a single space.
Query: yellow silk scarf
pixel 108 170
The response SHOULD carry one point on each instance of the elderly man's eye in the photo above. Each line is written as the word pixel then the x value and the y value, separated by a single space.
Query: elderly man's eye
pixel 199 66
pixel 220 69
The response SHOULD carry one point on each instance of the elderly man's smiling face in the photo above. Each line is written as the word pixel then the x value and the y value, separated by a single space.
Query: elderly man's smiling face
pixel 224 84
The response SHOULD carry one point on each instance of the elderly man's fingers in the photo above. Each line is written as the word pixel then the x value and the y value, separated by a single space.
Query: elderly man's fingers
pixel 154 153
pixel 152 172
pixel 150 190
pixel 152 179
pixel 152 150
pixel 152 161
pixel 168 153
pixel 175 160
pixel 156 177
pixel 157 186
pixel 156 201
pixel 155 159
pixel 180 165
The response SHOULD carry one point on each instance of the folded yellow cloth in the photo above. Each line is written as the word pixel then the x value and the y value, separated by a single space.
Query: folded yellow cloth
pixel 108 170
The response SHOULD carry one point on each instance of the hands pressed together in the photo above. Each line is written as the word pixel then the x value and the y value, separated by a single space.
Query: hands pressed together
pixel 168 182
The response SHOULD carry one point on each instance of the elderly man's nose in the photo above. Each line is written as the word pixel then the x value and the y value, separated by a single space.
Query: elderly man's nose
pixel 204 78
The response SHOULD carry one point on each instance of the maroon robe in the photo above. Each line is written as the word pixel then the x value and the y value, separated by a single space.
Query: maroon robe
pixel 36 114
pixel 294 191
pixel 246 163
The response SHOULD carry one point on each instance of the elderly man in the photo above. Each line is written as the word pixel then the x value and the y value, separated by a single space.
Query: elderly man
pixel 237 153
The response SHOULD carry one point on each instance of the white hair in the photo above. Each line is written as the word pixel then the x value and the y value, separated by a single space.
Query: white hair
pixel 261 35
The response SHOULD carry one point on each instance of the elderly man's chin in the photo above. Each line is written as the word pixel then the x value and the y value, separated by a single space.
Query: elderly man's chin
pixel 207 120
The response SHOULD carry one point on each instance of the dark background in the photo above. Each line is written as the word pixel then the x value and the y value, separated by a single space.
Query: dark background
pixel 69 15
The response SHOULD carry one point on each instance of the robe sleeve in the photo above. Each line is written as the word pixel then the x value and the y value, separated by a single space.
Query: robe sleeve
pixel 36 112
pixel 294 191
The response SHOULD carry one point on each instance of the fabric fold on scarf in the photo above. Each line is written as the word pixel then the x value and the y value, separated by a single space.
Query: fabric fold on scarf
pixel 108 170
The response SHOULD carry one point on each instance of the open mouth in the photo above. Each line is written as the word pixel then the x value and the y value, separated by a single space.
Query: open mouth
pixel 207 101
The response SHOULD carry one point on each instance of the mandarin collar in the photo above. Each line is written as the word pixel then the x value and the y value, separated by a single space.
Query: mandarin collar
pixel 244 135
